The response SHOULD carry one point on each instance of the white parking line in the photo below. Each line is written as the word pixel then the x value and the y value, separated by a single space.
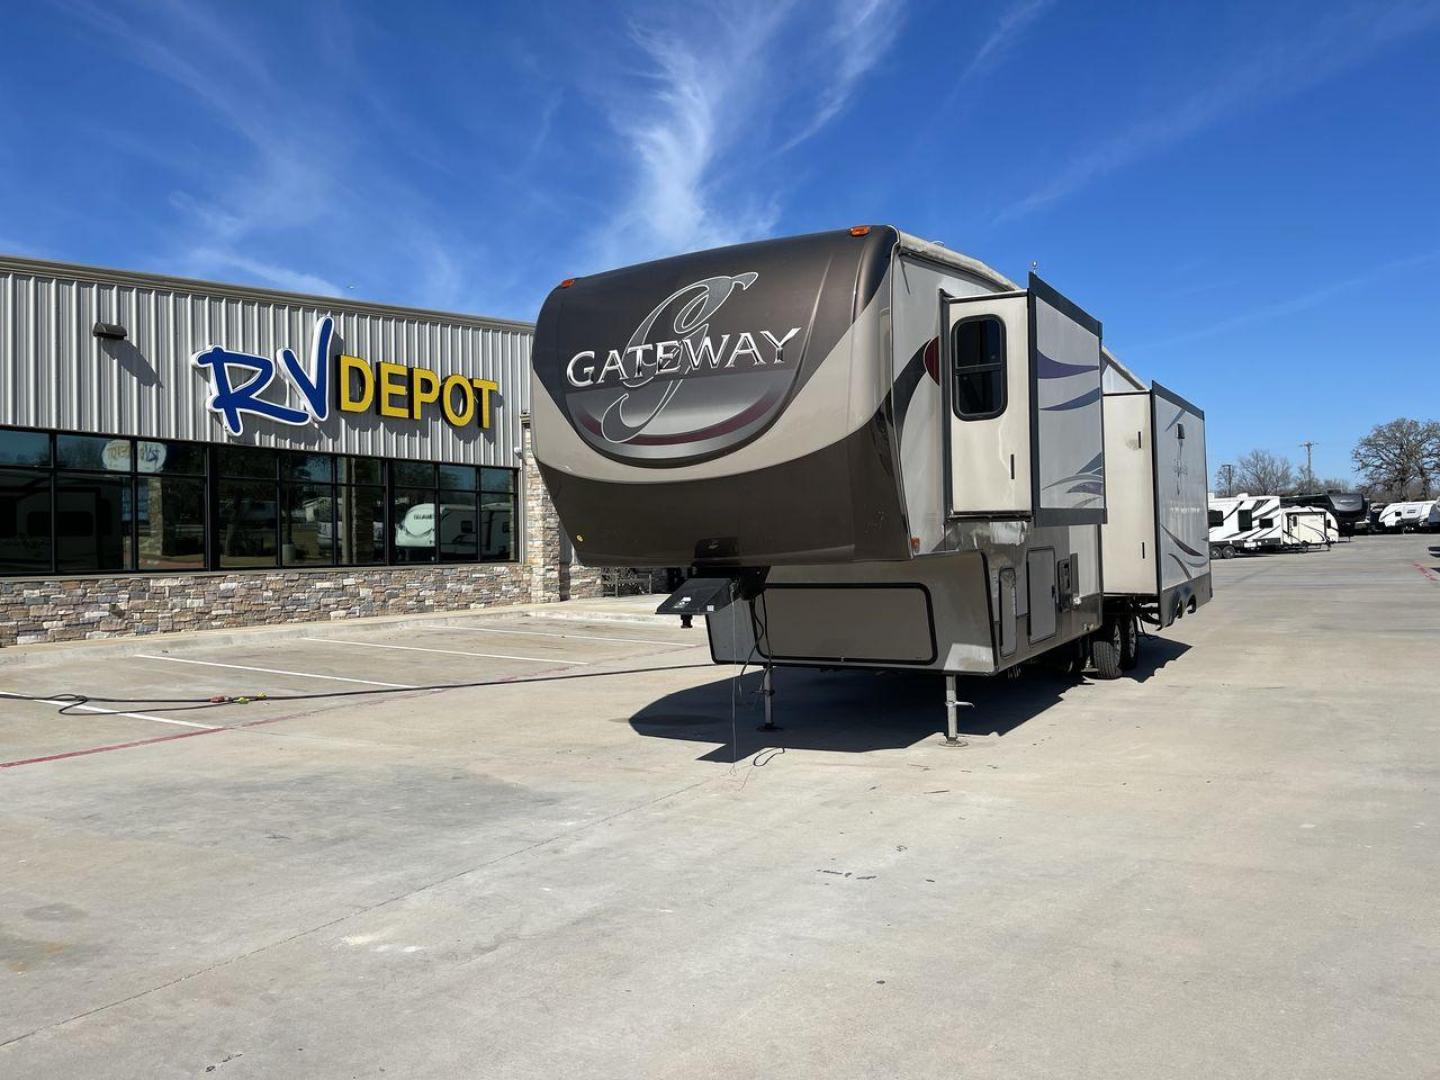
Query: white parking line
pixel 583 637
pixel 109 712
pixel 447 652
pixel 273 671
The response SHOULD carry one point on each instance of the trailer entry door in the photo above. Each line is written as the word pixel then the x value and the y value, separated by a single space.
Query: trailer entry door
pixel 985 395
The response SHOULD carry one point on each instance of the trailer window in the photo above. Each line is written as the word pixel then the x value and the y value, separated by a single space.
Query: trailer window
pixel 1217 518
pixel 977 347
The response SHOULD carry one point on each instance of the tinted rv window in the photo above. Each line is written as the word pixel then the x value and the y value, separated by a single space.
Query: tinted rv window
pixel 978 348
pixel 1217 517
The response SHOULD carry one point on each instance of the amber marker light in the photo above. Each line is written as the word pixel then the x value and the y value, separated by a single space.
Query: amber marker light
pixel 567 283
pixel 859 230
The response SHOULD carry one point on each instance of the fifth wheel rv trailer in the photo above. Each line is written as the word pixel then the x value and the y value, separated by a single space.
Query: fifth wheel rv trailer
pixel 1350 509
pixel 873 452
pixel 1245 523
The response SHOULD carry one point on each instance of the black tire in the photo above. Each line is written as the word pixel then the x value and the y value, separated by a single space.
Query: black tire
pixel 1129 643
pixel 1107 648
pixel 1228 551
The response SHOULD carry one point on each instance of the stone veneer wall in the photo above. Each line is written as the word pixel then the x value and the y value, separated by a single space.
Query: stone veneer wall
pixel 34 610
pixel 65 609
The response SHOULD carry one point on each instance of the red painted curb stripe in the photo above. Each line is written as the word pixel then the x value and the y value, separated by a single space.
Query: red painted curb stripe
pixel 112 746
pixel 140 742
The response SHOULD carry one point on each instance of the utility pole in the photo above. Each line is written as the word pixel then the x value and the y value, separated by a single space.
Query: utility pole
pixel 1229 471
pixel 1309 469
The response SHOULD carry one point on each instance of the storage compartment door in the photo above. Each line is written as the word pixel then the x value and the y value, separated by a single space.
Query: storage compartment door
pixel 857 624
pixel 985 394
pixel 1040 576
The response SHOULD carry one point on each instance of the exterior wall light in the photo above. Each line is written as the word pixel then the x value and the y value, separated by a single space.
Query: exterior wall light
pixel 110 331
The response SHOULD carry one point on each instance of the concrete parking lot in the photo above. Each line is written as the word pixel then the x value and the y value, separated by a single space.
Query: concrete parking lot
pixel 1226 866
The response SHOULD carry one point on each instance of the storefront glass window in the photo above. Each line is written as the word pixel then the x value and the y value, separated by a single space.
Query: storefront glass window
pixel 102 504
pixel 169 458
pixel 251 461
pixel 92 523
pixel 360 526
pixel 92 453
pixel 24 448
pixel 413 512
pixel 497 481
pixel 314 467
pixel 456 530
pixel 412 474
pixel 246 523
pixel 497 520
pixel 360 470
pixel 458 477
pixel 497 514
pixel 25 541
pixel 307 528
pixel 170 519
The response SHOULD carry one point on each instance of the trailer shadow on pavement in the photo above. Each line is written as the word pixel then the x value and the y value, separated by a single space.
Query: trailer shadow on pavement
pixel 857 711
pixel 1155 653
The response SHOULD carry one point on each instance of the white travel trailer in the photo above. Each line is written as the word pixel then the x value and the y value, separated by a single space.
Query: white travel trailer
pixel 873 452
pixel 1245 523
pixel 1307 527
pixel 1405 516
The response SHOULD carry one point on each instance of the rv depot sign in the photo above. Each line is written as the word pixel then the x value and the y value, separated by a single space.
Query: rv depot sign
pixel 396 391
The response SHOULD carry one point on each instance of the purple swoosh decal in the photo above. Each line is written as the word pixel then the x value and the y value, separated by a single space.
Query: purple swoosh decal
pixel 1047 368
pixel 1087 398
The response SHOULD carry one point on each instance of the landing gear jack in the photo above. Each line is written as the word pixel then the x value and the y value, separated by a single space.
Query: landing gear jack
pixel 953 705
pixel 767 692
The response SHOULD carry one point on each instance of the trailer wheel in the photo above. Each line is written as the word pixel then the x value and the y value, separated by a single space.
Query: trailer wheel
pixel 1129 643
pixel 1228 551
pixel 1107 649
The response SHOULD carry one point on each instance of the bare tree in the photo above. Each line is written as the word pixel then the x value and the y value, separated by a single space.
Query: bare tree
pixel 1335 483
pixel 1400 459
pixel 1262 473
pixel 1225 480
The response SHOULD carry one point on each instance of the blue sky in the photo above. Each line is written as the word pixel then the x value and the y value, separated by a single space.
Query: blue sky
pixel 1246 194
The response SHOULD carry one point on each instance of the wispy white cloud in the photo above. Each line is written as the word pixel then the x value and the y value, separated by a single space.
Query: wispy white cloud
pixel 1008 30
pixel 712 88
pixel 9 246
pixel 210 262
pixel 1326 46
pixel 859 36
pixel 284 180
pixel 1293 305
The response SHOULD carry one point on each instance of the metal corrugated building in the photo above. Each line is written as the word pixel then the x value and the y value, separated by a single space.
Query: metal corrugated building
pixel 271 456
pixel 56 373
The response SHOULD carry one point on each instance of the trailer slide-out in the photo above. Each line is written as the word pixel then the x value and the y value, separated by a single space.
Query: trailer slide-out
pixel 872 451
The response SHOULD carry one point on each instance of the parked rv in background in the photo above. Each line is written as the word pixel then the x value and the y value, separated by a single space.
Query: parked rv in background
pixel 1350 509
pixel 874 452
pixel 1406 516
pixel 1307 527
pixel 1244 523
